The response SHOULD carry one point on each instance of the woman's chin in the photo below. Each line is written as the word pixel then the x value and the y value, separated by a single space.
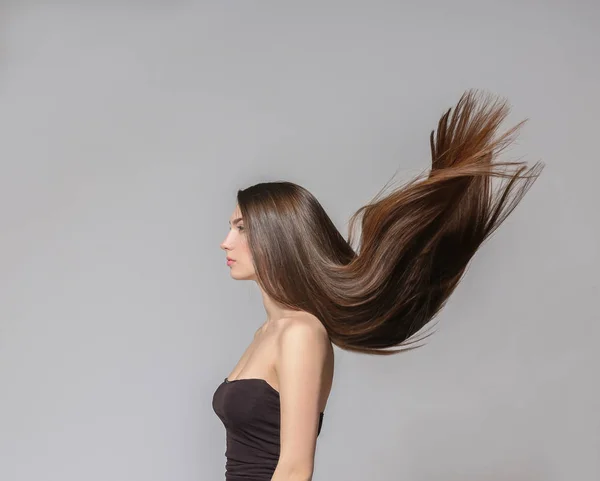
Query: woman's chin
pixel 241 276
pixel 237 275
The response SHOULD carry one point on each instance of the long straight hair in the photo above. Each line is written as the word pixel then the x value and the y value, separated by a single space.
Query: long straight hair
pixel 415 242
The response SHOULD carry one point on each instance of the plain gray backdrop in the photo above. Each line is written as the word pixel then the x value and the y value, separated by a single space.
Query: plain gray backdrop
pixel 126 129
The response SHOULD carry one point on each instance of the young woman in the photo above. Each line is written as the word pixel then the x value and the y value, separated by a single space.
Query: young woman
pixel 415 245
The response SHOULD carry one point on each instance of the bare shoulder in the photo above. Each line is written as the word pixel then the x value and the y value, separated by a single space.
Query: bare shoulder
pixel 303 328
pixel 303 341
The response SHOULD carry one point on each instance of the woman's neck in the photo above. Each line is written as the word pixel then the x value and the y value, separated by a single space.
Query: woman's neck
pixel 274 310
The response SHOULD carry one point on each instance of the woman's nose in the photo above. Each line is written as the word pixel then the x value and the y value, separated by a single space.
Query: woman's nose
pixel 225 243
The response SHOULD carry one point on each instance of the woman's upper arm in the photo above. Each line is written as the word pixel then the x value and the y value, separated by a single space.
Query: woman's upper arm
pixel 302 354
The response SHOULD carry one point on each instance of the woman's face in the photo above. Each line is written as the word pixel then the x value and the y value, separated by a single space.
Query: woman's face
pixel 236 247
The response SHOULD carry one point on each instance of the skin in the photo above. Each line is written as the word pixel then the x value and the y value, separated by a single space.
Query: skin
pixel 292 352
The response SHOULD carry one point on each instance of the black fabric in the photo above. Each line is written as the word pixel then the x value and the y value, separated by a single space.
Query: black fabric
pixel 249 410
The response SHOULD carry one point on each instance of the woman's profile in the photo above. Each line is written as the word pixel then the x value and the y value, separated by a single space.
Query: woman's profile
pixel 415 244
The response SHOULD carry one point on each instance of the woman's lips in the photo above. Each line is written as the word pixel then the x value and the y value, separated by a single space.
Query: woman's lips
pixel 229 262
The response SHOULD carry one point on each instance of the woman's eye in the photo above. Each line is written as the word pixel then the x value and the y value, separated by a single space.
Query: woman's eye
pixel 240 227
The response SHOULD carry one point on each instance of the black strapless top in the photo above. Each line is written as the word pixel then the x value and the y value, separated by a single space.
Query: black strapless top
pixel 249 409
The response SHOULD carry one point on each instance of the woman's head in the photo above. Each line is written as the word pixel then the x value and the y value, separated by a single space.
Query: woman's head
pixel 285 236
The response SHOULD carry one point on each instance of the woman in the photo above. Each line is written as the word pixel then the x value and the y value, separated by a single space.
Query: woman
pixel 415 245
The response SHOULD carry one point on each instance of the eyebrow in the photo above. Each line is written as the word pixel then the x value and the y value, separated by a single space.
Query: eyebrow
pixel 235 221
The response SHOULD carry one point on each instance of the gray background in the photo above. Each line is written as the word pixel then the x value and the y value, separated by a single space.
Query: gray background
pixel 127 128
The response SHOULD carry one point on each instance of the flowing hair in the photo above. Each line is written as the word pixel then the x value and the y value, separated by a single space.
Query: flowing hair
pixel 415 242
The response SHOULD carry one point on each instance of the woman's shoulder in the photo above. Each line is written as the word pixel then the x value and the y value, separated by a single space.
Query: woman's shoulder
pixel 304 344
pixel 301 325
pixel 303 334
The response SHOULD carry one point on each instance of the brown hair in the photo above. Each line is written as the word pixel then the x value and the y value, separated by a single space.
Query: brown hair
pixel 415 242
